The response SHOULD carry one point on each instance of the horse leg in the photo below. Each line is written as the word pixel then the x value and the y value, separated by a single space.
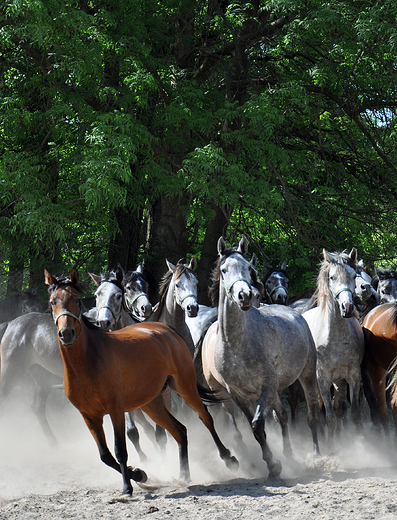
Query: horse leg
pixel 293 401
pixel 157 411
pixel 325 391
pixel 257 423
pixel 370 396
pixel 355 388
pixel 282 416
pixel 185 386
pixel 43 383
pixel 95 425
pixel 133 435
pixel 308 382
pixel 378 376
pixel 339 404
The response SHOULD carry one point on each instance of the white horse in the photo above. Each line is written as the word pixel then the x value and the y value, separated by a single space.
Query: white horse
pixel 338 337
pixel 251 354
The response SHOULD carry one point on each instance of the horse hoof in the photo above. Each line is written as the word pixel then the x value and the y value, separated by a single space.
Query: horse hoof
pixel 274 469
pixel 232 463
pixel 137 474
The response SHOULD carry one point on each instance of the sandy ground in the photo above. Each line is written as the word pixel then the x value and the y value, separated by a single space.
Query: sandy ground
pixel 358 481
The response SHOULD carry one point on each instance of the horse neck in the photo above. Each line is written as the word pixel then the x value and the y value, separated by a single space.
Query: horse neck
pixel 172 313
pixel 76 355
pixel 232 320
pixel 332 316
pixel 124 320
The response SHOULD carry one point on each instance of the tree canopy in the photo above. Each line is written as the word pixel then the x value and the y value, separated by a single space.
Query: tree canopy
pixel 135 130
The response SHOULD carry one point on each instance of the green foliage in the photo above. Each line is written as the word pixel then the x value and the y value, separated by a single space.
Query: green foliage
pixel 283 114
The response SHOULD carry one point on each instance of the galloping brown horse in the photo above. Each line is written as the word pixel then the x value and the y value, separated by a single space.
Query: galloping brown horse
pixel 380 333
pixel 114 372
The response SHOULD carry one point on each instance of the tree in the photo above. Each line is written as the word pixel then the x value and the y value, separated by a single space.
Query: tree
pixel 144 130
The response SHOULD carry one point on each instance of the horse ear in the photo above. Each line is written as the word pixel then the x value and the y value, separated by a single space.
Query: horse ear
pixel 283 265
pixel 119 273
pixel 193 263
pixel 265 266
pixel 327 257
pixel 96 279
pixel 48 278
pixel 119 267
pixel 243 246
pixel 221 246
pixel 74 276
pixel 353 254
pixel 254 260
pixel 171 266
pixel 139 269
pixel 34 291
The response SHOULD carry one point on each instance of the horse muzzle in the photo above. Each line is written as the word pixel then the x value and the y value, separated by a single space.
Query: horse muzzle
pixel 280 297
pixel 192 309
pixel 346 309
pixel 67 336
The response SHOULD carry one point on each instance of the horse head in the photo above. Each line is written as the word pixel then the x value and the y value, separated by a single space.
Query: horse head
pixel 385 282
pixel 65 305
pixel 364 289
pixel 29 301
pixel 181 284
pixel 276 284
pixel 235 273
pixel 136 291
pixel 340 272
pixel 109 299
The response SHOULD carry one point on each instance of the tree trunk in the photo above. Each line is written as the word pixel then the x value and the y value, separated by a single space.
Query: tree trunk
pixel 216 228
pixel 167 235
pixel 125 246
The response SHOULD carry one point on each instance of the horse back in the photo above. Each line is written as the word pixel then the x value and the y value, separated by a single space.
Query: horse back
pixel 126 368
pixel 380 333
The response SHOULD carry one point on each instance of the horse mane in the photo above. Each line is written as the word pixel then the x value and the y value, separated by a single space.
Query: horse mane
pixel 322 291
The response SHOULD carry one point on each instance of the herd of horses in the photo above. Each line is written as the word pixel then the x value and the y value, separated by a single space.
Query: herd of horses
pixel 139 348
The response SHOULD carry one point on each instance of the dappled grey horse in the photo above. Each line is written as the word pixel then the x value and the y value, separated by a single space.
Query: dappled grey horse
pixel 338 337
pixel 251 354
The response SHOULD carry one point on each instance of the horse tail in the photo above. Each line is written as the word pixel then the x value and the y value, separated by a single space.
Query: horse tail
pixel 3 328
pixel 210 397
pixel 393 382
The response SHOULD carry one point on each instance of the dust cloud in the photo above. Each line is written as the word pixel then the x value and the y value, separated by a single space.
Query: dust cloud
pixel 28 465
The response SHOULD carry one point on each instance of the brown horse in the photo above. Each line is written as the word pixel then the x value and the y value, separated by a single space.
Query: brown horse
pixel 114 372
pixel 380 332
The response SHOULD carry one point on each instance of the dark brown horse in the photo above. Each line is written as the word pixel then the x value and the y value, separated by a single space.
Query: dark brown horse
pixel 114 372
pixel 380 332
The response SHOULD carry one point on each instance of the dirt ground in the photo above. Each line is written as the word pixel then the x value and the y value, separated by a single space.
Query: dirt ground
pixel 358 480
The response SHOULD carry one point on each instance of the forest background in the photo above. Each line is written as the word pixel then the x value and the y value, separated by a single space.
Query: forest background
pixel 141 130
